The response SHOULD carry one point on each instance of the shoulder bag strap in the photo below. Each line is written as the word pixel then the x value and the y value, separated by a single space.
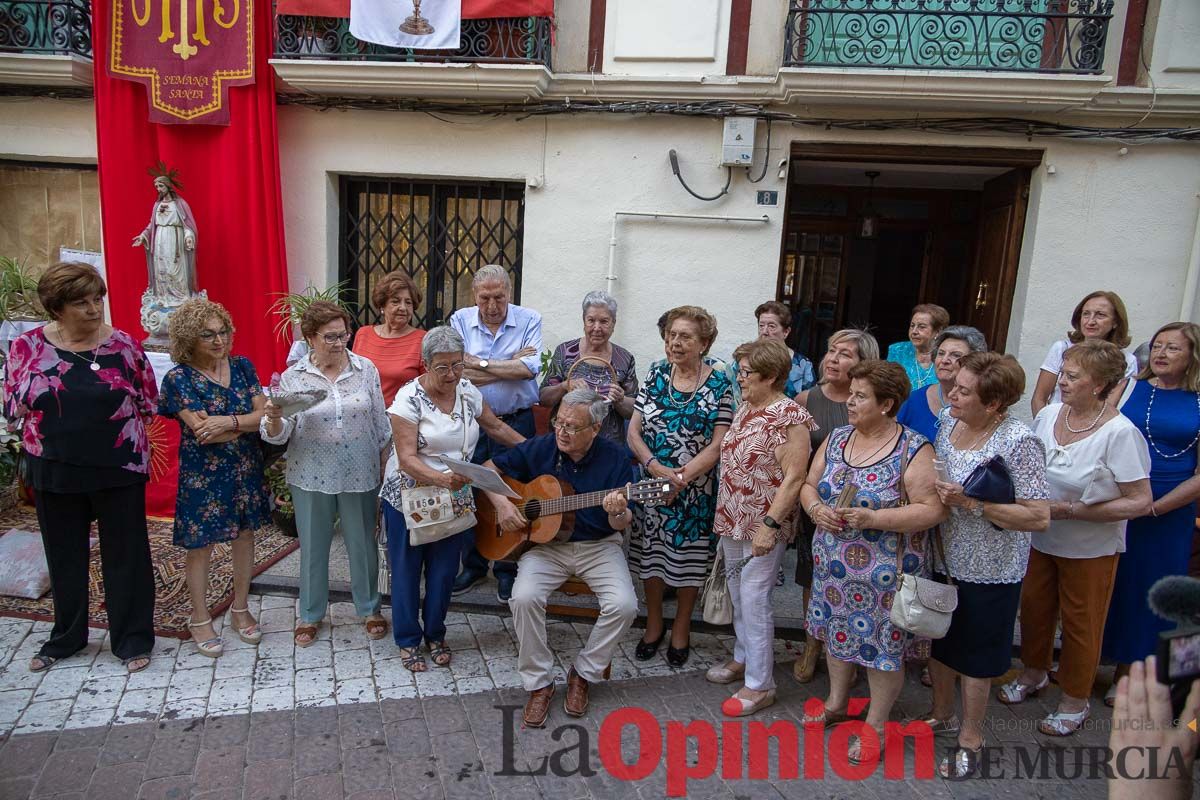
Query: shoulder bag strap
pixel 903 501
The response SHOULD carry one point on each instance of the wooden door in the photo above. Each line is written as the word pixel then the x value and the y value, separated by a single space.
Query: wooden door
pixel 997 251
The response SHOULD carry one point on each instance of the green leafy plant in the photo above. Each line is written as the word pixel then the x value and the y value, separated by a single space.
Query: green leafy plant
pixel 18 291
pixel 546 356
pixel 291 306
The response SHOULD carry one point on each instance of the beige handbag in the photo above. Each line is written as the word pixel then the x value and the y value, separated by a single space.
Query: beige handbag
pixel 922 606
pixel 717 605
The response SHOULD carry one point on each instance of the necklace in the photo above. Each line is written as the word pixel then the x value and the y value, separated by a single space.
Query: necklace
pixel 671 386
pixel 1150 439
pixel 987 432
pixel 214 377
pixel 1067 420
pixel 91 362
pixel 867 461
pixel 924 373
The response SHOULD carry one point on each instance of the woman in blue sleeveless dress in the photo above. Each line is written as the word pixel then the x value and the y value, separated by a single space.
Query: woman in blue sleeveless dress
pixel 1164 404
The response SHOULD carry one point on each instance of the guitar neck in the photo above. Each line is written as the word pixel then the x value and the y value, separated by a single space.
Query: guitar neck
pixel 574 502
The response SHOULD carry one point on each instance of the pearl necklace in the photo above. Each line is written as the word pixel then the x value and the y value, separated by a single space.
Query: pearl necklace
pixel 923 373
pixel 1067 421
pixel 1150 439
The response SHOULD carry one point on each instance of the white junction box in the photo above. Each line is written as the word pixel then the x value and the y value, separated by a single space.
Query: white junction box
pixel 737 143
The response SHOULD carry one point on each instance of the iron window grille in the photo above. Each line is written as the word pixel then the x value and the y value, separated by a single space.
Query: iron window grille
pixel 440 234
pixel 49 27
pixel 1066 36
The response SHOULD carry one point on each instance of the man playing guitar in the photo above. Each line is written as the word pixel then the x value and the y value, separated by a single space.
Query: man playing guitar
pixel 578 456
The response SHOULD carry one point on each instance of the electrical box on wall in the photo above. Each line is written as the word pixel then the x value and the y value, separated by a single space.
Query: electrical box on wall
pixel 737 143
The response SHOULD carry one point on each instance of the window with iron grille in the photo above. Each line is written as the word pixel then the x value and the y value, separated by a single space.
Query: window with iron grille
pixel 440 234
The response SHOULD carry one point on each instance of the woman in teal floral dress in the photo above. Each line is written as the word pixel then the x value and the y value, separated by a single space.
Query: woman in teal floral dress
pixel 222 496
pixel 681 414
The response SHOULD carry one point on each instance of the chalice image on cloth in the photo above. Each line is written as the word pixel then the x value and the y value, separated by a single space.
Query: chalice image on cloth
pixel 416 24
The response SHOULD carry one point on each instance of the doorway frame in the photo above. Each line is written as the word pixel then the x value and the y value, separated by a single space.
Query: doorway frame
pixel 1026 158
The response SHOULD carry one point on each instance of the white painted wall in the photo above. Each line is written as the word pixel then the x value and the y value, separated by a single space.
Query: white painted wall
pixel 1175 59
pixel 1101 221
pixel 41 129
pixel 666 37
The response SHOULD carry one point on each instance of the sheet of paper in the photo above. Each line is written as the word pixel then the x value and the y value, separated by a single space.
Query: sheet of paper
pixel 480 476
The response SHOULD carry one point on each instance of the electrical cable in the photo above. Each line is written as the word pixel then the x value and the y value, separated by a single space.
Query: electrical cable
pixel 674 158
pixel 766 158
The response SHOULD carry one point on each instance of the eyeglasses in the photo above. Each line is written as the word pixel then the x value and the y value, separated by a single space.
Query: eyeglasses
pixel 209 336
pixel 1169 349
pixel 569 430
pixel 335 338
pixel 444 369
pixel 745 372
pixel 950 354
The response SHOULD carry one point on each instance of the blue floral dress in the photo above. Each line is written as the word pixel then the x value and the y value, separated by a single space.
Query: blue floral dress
pixel 221 486
pixel 675 542
pixel 854 571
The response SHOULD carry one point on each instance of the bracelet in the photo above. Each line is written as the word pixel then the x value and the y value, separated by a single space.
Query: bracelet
pixel 811 506
pixel 236 427
pixel 646 464
pixel 1071 510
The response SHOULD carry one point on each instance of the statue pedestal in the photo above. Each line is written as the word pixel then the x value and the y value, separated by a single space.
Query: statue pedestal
pixel 156 319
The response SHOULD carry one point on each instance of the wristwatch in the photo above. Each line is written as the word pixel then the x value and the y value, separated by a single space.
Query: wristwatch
pixel 770 522
pixel 483 363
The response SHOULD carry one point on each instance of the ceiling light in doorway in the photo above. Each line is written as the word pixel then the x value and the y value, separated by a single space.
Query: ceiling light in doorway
pixel 868 223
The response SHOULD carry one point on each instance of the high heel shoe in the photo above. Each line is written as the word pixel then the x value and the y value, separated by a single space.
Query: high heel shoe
pixel 646 650
pixel 213 647
pixel 678 656
pixel 249 634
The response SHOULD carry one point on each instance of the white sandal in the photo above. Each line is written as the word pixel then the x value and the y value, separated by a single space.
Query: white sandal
pixel 1059 723
pixel 213 647
pixel 249 634
pixel 1015 692
pixel 725 673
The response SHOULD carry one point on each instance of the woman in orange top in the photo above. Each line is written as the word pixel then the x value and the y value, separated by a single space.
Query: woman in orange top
pixel 394 345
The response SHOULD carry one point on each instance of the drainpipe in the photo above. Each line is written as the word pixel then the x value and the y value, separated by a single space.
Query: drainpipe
pixel 1191 284
pixel 611 278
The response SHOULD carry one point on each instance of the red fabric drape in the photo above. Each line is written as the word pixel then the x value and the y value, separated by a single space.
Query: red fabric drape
pixel 230 178
pixel 471 9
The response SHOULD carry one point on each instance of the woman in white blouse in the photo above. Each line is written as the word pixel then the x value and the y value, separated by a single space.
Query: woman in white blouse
pixel 1099 317
pixel 333 466
pixel 438 414
pixel 1097 468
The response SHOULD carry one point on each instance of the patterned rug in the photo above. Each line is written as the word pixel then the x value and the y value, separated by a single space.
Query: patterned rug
pixel 172 609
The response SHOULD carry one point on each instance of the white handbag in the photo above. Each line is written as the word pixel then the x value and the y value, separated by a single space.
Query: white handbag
pixel 717 606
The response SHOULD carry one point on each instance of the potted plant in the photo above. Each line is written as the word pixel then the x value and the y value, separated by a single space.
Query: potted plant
pixel 18 292
pixel 10 454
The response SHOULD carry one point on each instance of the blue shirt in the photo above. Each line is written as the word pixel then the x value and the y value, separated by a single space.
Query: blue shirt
pixel 521 328
pixel 915 414
pixel 605 466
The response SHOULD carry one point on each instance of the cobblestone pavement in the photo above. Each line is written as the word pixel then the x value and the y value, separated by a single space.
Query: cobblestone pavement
pixel 253 726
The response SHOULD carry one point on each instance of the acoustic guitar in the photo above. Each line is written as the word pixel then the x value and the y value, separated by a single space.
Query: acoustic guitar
pixel 550 505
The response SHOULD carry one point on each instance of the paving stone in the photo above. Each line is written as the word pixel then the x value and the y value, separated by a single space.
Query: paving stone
pixel 127 743
pixel 361 726
pixel 66 771
pixel 316 755
pixel 16 788
pixel 366 768
pixel 269 742
pixel 319 787
pixel 225 731
pixel 220 768
pixel 118 782
pixel 25 755
pixel 269 780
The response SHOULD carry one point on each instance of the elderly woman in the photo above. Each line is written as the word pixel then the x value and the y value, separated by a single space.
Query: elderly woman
pixel 916 355
pixel 857 547
pixel 222 494
pixel 775 322
pixel 1164 404
pixel 1100 316
pixel 681 414
pixel 336 451
pixel 764 458
pixel 986 544
pixel 1097 468
pixel 438 414
pixel 921 411
pixel 82 391
pixel 394 345
pixel 827 403
pixel 599 321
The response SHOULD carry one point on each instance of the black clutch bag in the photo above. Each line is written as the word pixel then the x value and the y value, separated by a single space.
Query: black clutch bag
pixel 991 483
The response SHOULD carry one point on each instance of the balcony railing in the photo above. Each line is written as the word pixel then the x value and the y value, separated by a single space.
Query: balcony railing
pixel 514 40
pixel 47 27
pixel 1065 36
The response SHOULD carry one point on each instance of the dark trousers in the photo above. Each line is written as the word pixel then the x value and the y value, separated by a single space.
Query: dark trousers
pixel 413 620
pixel 66 521
pixel 522 423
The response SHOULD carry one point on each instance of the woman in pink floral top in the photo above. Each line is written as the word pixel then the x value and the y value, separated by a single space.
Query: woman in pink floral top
pixel 81 392
pixel 764 459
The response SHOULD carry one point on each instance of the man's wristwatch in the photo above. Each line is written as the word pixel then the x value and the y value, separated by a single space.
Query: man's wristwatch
pixel 483 363
pixel 770 522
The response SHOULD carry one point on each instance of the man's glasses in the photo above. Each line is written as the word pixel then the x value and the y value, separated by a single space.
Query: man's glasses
pixel 335 338
pixel 569 430
pixel 444 369
pixel 209 336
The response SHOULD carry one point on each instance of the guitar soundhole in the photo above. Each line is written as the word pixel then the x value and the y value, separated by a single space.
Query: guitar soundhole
pixel 533 510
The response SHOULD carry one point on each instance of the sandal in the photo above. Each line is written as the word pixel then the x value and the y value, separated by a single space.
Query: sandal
pixel 960 764
pixel 249 634
pixel 827 717
pixel 376 626
pixel 1063 723
pixel 937 726
pixel 440 653
pixel 213 647
pixel 41 663
pixel 740 707
pixel 726 673
pixel 305 634
pixel 412 660
pixel 857 753
pixel 132 665
pixel 1015 692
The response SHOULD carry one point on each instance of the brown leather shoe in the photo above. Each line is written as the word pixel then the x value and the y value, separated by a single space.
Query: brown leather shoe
pixel 576 701
pixel 538 706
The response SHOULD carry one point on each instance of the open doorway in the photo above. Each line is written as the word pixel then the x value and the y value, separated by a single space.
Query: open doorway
pixel 871 232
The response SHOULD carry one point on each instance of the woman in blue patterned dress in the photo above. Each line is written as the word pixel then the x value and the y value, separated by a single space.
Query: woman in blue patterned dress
pixel 855 548
pixel 222 495
pixel 681 414
pixel 1164 404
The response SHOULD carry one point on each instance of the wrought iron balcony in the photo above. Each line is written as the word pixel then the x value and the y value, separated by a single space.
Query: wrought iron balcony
pixel 46 27
pixel 1066 36
pixel 512 40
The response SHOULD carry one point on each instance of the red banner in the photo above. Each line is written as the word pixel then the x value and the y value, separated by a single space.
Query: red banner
pixel 187 55
pixel 471 9
pixel 229 178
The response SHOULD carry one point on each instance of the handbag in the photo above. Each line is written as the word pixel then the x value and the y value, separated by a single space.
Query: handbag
pixel 991 483
pixel 433 513
pixel 717 606
pixel 922 606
